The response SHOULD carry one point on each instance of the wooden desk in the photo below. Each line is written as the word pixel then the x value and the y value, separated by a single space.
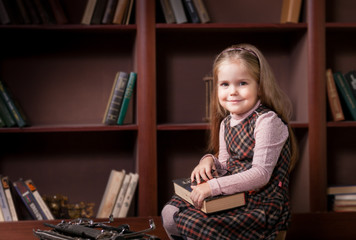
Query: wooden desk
pixel 23 230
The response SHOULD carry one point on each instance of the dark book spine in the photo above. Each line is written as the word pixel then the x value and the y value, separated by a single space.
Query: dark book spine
pixel 192 12
pixel 28 200
pixel 116 99
pixel 5 114
pixel 98 12
pixel 346 93
pixel 109 12
pixel 351 81
pixel 14 108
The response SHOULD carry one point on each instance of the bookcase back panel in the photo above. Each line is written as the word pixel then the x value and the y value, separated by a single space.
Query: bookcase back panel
pixel 341 50
pixel 72 164
pixel 299 177
pixel 73 81
pixel 253 11
pixel 181 153
pixel 180 69
pixel 342 11
pixel 341 156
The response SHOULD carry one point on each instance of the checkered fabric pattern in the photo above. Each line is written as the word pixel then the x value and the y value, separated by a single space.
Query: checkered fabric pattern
pixel 267 210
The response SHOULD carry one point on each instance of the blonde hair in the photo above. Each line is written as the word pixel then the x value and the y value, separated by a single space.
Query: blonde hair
pixel 270 94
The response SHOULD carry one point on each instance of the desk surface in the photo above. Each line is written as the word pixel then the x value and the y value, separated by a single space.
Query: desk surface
pixel 24 229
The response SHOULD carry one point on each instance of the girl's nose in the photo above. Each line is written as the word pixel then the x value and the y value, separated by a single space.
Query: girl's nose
pixel 233 90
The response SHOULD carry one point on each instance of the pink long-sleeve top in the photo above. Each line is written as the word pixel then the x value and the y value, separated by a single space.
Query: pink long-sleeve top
pixel 270 135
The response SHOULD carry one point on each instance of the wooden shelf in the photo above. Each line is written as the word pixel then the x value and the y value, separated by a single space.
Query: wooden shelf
pixel 69 70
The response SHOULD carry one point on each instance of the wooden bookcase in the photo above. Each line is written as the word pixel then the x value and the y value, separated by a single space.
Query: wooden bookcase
pixel 62 76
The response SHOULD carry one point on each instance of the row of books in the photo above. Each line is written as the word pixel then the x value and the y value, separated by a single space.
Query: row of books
pixel 341 91
pixel 20 200
pixel 32 12
pixel 342 198
pixel 108 12
pixel 120 98
pixel 184 11
pixel 11 113
pixel 118 195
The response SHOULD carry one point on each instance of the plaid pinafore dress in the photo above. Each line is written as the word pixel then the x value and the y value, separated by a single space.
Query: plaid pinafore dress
pixel 267 209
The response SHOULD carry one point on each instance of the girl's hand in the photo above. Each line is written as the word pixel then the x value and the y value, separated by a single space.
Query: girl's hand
pixel 203 170
pixel 199 193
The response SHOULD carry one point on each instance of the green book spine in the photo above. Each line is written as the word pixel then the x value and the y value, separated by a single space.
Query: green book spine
pixel 127 97
pixel 115 102
pixel 2 122
pixel 346 93
pixel 14 109
pixel 5 114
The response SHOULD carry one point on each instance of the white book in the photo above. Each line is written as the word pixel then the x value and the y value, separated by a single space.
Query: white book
pixel 10 201
pixel 39 199
pixel 4 205
pixel 121 196
pixel 129 195
pixel 178 11
pixel 111 192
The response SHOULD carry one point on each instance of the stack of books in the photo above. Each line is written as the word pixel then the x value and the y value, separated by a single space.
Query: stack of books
pixel 342 198
pixel 118 194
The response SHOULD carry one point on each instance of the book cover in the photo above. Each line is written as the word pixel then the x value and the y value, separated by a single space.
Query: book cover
pixel 111 191
pixel 351 81
pixel 128 13
pixel 192 12
pixel 2 122
pixel 5 114
pixel 333 97
pixel 32 11
pixel 121 8
pixel 129 195
pixel 178 11
pixel 28 200
pixel 98 11
pixel 13 106
pixel 58 11
pixel 202 11
pixel 182 188
pixel 342 189
pixel 168 11
pixel 4 206
pixel 290 11
pixel 115 100
pixel 121 196
pixel 346 93
pixel 45 12
pixel 127 97
pixel 6 186
pixel 4 15
pixel 88 12
pixel 39 199
pixel 109 12
pixel 23 12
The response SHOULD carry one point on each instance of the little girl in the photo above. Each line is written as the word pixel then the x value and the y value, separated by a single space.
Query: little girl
pixel 253 141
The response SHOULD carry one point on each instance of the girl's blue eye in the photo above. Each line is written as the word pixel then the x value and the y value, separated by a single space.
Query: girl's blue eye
pixel 224 84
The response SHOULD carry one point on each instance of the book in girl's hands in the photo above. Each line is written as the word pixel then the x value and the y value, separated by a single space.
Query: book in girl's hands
pixel 182 188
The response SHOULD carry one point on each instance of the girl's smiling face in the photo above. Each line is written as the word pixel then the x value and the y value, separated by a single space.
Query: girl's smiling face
pixel 237 89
